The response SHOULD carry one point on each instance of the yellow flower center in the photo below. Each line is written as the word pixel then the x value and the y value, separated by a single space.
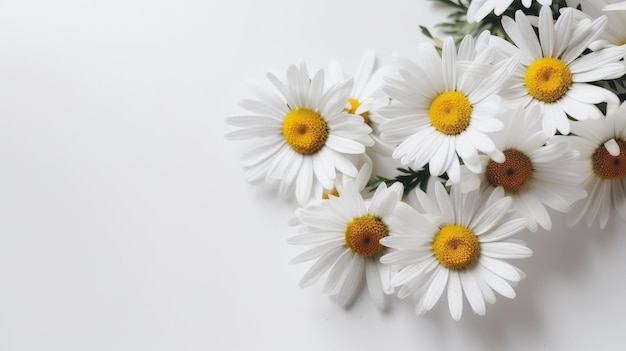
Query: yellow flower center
pixel 354 105
pixel 363 235
pixel 450 113
pixel 305 131
pixel 608 166
pixel 327 193
pixel 511 174
pixel 456 247
pixel 548 79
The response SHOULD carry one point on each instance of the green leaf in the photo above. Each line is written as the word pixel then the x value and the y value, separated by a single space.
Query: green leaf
pixel 409 178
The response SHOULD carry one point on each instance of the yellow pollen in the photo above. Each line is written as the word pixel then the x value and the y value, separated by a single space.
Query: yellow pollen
pixel 608 166
pixel 354 105
pixel 450 113
pixel 548 79
pixel 327 193
pixel 363 235
pixel 456 247
pixel 511 174
pixel 305 131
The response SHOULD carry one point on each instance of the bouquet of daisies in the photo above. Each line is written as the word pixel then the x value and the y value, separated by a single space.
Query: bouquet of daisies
pixel 412 178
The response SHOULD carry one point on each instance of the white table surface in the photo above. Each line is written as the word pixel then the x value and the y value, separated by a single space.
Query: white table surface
pixel 125 223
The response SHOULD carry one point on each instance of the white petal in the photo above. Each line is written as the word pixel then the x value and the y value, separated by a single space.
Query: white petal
pixel 363 73
pixel 344 145
pixel 546 31
pixel 448 62
pixel 383 202
pixel 609 71
pixel 473 294
pixel 314 237
pixel 316 252
pixel 505 230
pixel 352 283
pixel 305 181
pixel 320 266
pixel 445 205
pixel 455 296
pixel 436 288
pixel 338 273
pixel 501 268
pixel 498 284
pixel 374 284
pixel 612 147
pixel 490 216
pixel 505 250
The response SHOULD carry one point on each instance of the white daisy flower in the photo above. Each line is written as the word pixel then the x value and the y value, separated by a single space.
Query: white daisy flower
pixel 552 73
pixel 302 134
pixel 366 98
pixel 602 146
pixel 366 95
pixel 459 243
pixel 440 112
pixel 615 31
pixel 479 9
pixel 346 233
pixel 535 175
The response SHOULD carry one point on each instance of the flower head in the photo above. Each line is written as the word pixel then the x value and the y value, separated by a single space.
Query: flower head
pixel 366 98
pixel 536 176
pixel 366 95
pixel 602 147
pixel 458 242
pixel 552 73
pixel 444 107
pixel 346 233
pixel 303 137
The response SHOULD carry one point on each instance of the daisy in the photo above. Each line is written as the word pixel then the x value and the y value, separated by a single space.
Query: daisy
pixel 366 99
pixel 459 243
pixel 440 112
pixel 535 175
pixel 479 9
pixel 602 145
pixel 366 95
pixel 552 73
pixel 302 134
pixel 615 32
pixel 345 232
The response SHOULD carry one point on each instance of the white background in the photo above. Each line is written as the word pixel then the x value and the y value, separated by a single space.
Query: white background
pixel 125 223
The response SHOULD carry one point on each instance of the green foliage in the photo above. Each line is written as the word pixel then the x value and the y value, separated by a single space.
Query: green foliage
pixel 618 86
pixel 409 178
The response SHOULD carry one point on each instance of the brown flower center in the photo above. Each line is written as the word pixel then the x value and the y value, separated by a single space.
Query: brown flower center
pixel 511 174
pixel 608 166
pixel 363 235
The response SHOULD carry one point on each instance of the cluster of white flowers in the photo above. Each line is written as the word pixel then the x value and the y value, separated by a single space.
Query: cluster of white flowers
pixel 508 130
